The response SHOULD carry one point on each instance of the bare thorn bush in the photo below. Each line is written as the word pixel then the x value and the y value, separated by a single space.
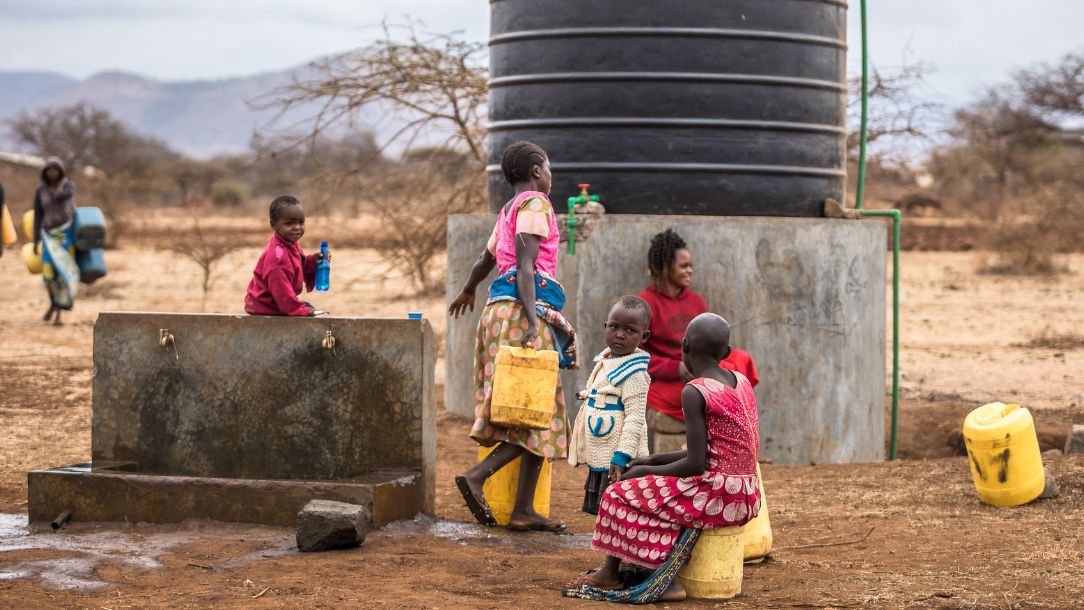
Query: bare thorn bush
pixel 207 252
pixel 413 203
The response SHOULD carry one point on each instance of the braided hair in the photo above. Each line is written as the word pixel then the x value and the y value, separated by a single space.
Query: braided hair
pixel 662 252
pixel 519 159
pixel 280 202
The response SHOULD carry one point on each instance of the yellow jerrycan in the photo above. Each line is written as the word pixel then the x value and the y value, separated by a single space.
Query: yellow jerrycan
pixel 500 489
pixel 7 228
pixel 524 387
pixel 28 224
pixel 714 570
pixel 32 260
pixel 1004 454
pixel 758 532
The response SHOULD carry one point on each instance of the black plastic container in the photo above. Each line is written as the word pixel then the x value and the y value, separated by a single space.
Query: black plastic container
pixel 718 107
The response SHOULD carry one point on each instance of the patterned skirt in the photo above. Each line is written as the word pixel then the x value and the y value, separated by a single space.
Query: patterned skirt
pixel 503 323
pixel 639 520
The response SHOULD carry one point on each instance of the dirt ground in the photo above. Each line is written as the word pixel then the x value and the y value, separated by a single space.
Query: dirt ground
pixel 908 534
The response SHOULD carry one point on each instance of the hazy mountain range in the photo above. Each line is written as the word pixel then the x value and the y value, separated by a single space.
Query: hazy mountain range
pixel 198 118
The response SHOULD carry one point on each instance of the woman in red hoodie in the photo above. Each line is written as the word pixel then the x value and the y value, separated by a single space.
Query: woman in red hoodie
pixel 673 306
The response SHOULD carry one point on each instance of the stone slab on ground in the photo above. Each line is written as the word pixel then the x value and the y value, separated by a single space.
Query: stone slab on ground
pixel 326 524
pixel 1074 442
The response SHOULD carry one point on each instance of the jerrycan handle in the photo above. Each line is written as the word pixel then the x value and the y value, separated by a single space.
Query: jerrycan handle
pixel 996 412
pixel 525 352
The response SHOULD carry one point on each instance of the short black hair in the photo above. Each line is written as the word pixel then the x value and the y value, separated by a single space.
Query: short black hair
pixel 282 201
pixel 632 303
pixel 664 247
pixel 518 159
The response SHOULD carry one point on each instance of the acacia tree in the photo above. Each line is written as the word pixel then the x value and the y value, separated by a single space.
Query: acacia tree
pixel 898 116
pixel 82 135
pixel 1057 90
pixel 434 83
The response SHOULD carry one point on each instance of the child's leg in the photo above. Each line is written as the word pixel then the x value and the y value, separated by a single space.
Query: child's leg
pixel 470 484
pixel 523 513
pixel 497 459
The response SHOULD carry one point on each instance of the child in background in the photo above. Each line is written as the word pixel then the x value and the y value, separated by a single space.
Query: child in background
pixel 283 270
pixel 654 516
pixel 739 361
pixel 611 428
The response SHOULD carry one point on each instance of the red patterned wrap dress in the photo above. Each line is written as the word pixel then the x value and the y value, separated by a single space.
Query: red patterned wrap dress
pixel 639 520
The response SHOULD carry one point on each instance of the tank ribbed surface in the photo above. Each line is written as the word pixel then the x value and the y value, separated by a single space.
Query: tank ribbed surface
pixel 714 107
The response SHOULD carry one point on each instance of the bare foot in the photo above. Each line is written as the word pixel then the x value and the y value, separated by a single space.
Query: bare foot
pixel 532 521
pixel 598 578
pixel 674 593
pixel 48 315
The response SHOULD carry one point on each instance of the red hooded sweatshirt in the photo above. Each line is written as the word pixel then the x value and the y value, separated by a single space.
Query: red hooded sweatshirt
pixel 281 273
pixel 669 319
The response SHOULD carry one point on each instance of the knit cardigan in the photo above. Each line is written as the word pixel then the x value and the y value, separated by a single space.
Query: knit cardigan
pixel 611 426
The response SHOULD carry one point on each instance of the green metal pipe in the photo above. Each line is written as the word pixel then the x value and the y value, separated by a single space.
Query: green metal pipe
pixel 859 190
pixel 896 219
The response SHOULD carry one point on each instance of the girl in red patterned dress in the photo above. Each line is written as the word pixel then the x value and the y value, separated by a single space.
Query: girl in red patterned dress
pixel 653 516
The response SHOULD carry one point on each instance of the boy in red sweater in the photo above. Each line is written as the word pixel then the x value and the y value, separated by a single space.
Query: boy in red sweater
pixel 283 269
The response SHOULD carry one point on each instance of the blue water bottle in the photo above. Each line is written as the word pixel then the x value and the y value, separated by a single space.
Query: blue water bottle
pixel 323 269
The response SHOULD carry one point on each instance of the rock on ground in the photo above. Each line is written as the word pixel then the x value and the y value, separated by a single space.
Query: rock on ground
pixel 325 524
pixel 1075 441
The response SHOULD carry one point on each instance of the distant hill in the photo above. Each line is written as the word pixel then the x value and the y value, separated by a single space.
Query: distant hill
pixel 198 118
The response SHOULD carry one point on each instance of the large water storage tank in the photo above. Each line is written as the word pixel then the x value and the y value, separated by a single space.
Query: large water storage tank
pixel 721 107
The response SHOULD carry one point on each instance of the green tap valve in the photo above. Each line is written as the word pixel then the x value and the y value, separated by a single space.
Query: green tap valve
pixel 583 197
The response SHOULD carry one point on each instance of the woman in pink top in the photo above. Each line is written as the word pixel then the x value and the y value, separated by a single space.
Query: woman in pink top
pixel 523 309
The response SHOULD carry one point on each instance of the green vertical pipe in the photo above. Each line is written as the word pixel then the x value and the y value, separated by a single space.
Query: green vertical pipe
pixel 896 219
pixel 860 189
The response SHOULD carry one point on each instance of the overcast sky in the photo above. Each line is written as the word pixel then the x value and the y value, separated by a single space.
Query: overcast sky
pixel 969 43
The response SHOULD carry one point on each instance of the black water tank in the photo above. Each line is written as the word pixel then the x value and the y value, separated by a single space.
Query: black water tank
pixel 721 107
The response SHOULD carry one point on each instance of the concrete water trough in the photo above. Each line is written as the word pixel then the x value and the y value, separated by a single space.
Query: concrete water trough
pixel 245 418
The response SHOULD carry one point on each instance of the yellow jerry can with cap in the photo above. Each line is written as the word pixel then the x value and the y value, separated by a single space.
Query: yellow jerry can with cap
pixel 500 489
pixel 758 532
pixel 715 567
pixel 524 388
pixel 1003 450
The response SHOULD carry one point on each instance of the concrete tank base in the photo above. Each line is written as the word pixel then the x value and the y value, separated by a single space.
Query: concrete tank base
pixel 806 297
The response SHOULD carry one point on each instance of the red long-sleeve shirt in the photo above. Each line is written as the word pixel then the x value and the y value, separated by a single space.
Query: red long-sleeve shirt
pixel 280 275
pixel 669 318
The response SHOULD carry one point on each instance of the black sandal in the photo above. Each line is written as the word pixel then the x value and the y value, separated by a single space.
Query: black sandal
pixel 477 506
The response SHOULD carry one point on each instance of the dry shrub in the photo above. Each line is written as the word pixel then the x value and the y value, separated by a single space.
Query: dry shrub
pixel 1031 247
pixel 413 202
pixel 206 251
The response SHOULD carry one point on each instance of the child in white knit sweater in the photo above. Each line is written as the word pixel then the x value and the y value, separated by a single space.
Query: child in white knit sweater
pixel 611 427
